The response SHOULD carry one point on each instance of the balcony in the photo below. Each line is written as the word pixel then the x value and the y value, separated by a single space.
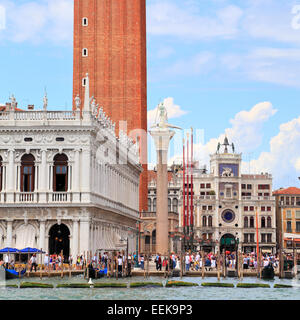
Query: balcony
pixel 252 198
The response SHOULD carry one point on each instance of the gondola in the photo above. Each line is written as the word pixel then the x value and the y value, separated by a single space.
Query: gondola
pixel 13 274
pixel 268 272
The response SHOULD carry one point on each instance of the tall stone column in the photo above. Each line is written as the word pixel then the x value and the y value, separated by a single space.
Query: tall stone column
pixel 9 233
pixel 85 175
pixel 84 235
pixel 42 235
pixel 43 178
pixel 162 137
pixel 10 178
pixel 75 251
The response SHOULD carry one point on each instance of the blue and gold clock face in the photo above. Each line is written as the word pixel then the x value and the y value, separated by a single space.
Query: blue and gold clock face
pixel 228 216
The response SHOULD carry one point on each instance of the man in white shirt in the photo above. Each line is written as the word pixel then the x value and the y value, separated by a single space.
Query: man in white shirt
pixel 187 262
pixel 46 261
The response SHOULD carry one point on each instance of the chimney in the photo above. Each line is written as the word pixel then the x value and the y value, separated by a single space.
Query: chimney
pixel 30 107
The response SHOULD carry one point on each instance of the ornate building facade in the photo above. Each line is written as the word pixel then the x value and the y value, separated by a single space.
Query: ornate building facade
pixel 225 205
pixel 288 217
pixel 67 182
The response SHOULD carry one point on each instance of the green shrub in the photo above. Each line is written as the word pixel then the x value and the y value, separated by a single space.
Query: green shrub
pixel 252 285
pixel 216 284
pixel 110 285
pixel 145 284
pixel 35 285
pixel 181 284
pixel 282 286
pixel 73 285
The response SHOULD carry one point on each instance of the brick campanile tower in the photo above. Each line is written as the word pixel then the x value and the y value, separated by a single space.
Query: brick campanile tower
pixel 110 45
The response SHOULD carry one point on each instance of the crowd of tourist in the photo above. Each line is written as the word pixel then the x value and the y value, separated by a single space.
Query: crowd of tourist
pixel 191 261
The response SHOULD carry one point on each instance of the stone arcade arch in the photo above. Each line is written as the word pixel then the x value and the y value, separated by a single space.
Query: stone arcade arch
pixel 59 240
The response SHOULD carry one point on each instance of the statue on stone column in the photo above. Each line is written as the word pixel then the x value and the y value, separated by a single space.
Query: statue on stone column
pixel 77 102
pixel 162 121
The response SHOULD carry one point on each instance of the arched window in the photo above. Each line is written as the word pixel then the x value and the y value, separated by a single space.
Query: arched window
pixel 154 205
pixel 169 205
pixel 269 222
pixel 251 222
pixel 246 222
pixel 204 221
pixel 210 221
pixel 175 205
pixel 27 173
pixel 60 173
pixel 149 204
pixel 1 174
pixel 263 222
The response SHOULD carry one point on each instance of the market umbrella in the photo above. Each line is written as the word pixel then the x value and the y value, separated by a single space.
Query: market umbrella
pixel 9 250
pixel 30 250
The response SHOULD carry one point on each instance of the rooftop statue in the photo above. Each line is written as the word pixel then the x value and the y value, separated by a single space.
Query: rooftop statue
pixel 45 102
pixel 77 102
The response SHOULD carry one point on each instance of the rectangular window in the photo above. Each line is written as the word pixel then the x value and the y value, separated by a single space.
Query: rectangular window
pixel 245 208
pixel 269 237
pixel 289 214
pixel 297 214
pixel 263 238
pixel 210 208
pixel 297 226
pixel 204 208
pixel 202 186
pixel 252 237
pixel 245 237
pixel 263 208
pixel 228 193
pixel 269 208
pixel 251 208
pixel 289 226
pixel 243 186
pixel 208 185
pixel 249 186
pixel 287 201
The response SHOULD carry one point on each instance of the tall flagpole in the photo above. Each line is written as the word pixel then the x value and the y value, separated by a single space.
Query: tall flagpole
pixel 184 213
pixel 188 188
pixel 192 189
pixel 257 242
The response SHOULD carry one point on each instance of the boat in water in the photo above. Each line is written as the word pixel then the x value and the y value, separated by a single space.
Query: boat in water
pixel 13 274
pixel 268 272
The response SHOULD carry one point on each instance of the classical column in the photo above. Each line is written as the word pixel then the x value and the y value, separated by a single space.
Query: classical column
pixel 76 176
pixel 85 174
pixel 84 234
pixel 43 177
pixel 9 233
pixel 42 234
pixel 10 178
pixel 75 251
pixel 162 137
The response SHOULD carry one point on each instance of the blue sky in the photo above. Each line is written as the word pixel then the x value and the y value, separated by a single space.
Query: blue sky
pixel 222 66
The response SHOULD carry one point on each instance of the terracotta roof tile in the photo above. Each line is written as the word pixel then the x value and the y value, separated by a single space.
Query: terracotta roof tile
pixel 291 190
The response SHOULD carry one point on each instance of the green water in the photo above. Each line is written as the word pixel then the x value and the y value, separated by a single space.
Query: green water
pixel 179 293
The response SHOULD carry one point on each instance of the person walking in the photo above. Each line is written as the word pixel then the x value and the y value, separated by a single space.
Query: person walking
pixel 187 262
pixel 46 262
pixel 33 263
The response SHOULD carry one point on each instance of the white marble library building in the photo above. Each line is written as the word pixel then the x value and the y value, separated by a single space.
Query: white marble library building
pixel 67 182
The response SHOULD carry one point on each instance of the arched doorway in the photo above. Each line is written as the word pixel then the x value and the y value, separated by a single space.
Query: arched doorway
pixel 228 243
pixel 59 240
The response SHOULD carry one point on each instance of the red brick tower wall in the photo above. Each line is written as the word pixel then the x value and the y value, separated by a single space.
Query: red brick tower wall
pixel 117 64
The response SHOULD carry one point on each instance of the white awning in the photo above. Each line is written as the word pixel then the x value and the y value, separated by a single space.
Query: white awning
pixel 291 235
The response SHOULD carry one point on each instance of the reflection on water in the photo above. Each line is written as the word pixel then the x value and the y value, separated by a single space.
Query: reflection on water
pixel 180 293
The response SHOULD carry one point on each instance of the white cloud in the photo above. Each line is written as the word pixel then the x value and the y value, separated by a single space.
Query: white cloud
pixel 168 18
pixel 38 22
pixel 174 111
pixel 246 133
pixel 283 159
